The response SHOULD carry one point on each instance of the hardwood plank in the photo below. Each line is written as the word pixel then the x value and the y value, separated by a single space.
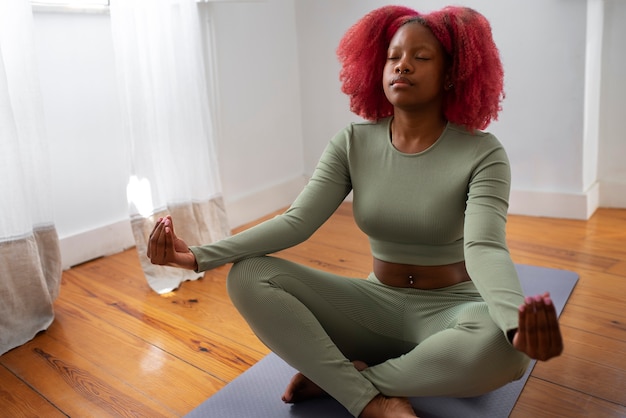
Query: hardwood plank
pixel 588 358
pixel 132 360
pixel 606 299
pixel 120 291
pixel 18 400
pixel 163 323
pixel 574 259
pixel 618 268
pixel 76 385
pixel 543 399
pixel 598 236
pixel 594 321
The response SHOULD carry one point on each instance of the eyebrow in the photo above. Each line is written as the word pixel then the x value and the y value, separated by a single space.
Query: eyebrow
pixel 416 48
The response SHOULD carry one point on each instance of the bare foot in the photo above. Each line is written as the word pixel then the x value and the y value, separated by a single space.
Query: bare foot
pixel 384 407
pixel 302 388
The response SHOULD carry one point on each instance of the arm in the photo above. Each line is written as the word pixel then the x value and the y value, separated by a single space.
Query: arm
pixel 487 257
pixel 328 187
pixel 531 323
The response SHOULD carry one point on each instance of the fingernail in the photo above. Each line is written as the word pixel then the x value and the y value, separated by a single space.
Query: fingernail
pixel 538 298
pixel 547 301
pixel 528 300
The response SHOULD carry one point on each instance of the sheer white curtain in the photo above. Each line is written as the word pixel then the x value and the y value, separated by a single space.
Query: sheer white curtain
pixel 164 89
pixel 30 261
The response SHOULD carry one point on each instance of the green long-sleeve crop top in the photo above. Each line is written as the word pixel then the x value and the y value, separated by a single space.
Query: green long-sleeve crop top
pixel 440 206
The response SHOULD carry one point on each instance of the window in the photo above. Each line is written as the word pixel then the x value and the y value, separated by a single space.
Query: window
pixel 80 6
pixel 71 3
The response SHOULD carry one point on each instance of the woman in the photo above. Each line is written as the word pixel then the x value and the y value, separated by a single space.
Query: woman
pixel 442 313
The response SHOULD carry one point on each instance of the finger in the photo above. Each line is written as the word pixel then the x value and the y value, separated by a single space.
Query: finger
pixel 531 327
pixel 159 248
pixel 542 330
pixel 550 342
pixel 156 225
pixel 556 339
pixel 152 242
pixel 168 250
pixel 545 341
pixel 171 225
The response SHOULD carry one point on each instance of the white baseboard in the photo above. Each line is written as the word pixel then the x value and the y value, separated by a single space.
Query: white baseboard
pixel 252 206
pixel 555 205
pixel 99 242
pixel 613 194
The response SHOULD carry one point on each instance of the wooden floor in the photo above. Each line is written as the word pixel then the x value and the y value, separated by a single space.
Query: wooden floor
pixel 118 349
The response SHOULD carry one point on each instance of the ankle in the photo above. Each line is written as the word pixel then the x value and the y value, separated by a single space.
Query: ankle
pixel 383 407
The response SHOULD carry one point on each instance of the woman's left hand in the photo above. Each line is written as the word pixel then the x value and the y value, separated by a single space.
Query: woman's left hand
pixel 538 335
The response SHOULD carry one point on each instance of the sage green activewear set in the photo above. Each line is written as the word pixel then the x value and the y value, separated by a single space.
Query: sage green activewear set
pixel 440 206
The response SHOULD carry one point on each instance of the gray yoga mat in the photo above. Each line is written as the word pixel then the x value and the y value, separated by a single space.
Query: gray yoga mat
pixel 256 392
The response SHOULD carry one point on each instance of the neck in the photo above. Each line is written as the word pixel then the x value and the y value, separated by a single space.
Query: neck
pixel 411 134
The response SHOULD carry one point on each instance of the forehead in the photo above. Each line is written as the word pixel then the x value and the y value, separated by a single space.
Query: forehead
pixel 414 34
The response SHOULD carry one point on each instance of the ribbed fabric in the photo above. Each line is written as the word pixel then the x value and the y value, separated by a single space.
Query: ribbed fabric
pixel 440 206
pixel 418 342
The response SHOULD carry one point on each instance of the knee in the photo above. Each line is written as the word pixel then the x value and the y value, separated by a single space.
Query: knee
pixel 504 360
pixel 519 363
pixel 493 359
pixel 240 275
pixel 513 363
pixel 247 276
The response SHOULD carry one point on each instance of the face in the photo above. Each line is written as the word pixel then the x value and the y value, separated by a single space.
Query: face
pixel 415 71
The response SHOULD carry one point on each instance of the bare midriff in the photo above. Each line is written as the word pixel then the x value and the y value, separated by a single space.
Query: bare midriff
pixel 420 277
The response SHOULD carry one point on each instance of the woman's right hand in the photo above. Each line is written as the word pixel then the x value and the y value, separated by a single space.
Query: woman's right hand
pixel 166 249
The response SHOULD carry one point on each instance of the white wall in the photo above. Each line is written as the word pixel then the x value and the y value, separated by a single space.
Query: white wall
pixel 260 141
pixel 612 157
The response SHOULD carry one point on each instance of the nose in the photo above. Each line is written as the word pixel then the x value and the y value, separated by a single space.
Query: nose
pixel 402 67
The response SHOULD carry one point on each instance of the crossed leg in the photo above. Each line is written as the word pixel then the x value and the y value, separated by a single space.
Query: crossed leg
pixel 318 322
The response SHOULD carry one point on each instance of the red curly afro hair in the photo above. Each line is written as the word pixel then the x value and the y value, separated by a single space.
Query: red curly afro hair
pixel 475 67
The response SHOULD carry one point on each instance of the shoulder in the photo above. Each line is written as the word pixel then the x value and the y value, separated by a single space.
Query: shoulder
pixel 476 137
pixel 477 150
pixel 478 143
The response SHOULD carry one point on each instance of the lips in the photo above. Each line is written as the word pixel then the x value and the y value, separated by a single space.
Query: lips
pixel 401 80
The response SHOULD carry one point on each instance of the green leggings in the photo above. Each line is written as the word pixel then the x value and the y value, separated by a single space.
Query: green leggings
pixel 438 342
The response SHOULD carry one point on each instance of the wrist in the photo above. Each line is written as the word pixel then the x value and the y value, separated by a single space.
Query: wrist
pixel 191 262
